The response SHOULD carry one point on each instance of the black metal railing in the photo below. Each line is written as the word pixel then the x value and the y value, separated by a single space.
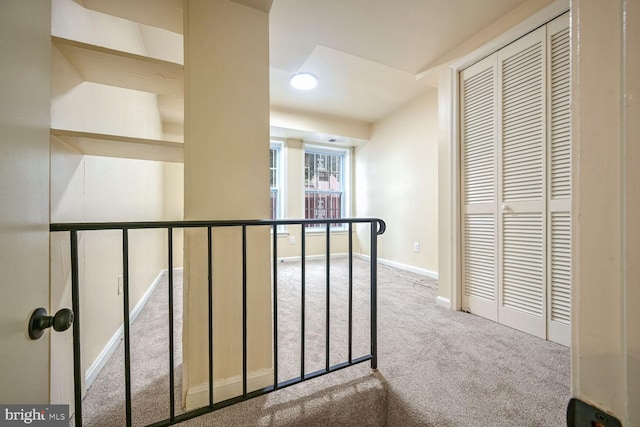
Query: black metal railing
pixel 377 227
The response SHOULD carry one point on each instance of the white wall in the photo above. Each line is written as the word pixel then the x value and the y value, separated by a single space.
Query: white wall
pixel 396 179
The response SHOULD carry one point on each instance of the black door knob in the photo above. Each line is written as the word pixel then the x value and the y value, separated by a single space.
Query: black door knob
pixel 40 321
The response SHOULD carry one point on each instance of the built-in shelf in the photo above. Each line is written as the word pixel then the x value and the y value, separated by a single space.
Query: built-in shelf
pixel 96 144
pixel 122 69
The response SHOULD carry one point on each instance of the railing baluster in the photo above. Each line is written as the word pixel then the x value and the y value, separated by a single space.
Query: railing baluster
pixel 75 306
pixel 350 292
pixel 302 291
pixel 328 290
pixel 374 294
pixel 275 306
pixel 210 304
pixel 127 332
pixel 172 406
pixel 246 394
pixel 244 310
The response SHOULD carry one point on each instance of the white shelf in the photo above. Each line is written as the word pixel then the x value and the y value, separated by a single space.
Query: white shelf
pixel 127 70
pixel 95 144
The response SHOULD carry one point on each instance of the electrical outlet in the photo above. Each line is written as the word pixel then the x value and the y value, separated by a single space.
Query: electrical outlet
pixel 292 240
pixel 416 247
pixel 120 284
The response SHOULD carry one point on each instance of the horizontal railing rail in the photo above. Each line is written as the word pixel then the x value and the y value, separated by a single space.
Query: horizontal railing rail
pixel 132 225
pixel 377 227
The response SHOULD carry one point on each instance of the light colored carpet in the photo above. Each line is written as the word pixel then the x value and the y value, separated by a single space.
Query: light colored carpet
pixel 436 367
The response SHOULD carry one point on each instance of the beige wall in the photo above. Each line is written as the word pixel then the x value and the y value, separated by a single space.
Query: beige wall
pixel 226 175
pixel 72 21
pixel 173 205
pixel 87 188
pixel 396 179
pixel 85 106
pixel 316 123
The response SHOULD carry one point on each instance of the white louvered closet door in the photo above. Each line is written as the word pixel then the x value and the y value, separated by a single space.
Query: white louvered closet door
pixel 516 184
pixel 522 184
pixel 479 187
pixel 559 181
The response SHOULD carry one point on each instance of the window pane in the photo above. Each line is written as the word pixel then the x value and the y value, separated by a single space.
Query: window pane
pixel 274 178
pixel 274 204
pixel 273 167
pixel 323 205
pixel 323 171
pixel 323 186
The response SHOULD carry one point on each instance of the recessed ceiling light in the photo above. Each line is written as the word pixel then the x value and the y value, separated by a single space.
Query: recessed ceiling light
pixel 304 81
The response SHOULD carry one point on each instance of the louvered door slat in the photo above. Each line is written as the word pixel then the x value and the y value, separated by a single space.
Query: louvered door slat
pixel 560 100
pixel 479 137
pixel 479 252
pixel 561 267
pixel 522 281
pixel 523 124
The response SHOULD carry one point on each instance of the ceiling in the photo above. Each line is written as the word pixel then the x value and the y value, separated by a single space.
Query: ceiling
pixel 366 54
pixel 370 56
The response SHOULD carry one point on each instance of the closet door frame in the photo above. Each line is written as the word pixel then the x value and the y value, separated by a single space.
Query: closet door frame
pixel 558 215
pixel 536 20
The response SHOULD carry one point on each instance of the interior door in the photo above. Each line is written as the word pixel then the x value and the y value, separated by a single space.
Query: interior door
pixel 516 184
pixel 25 29
pixel 522 184
pixel 479 183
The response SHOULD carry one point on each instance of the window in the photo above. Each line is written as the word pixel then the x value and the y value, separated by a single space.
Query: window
pixel 275 181
pixel 324 185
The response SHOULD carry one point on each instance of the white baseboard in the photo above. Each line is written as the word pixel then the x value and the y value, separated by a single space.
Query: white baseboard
pixel 406 267
pixel 102 359
pixel 443 302
pixel 223 389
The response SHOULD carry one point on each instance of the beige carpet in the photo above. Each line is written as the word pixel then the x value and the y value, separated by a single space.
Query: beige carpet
pixel 436 367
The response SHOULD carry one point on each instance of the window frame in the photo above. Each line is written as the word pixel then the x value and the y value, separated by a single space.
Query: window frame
pixel 345 209
pixel 280 175
pixel 281 203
